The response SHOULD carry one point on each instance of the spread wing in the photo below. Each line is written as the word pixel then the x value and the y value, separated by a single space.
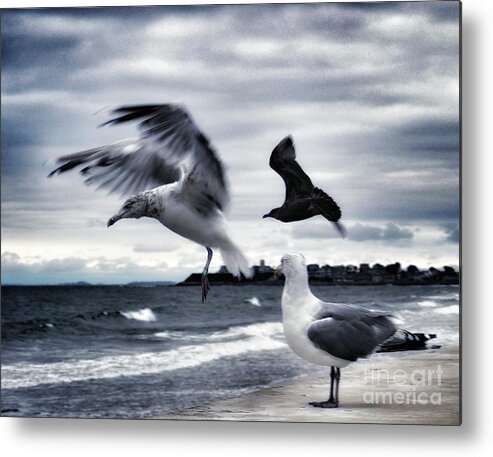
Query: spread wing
pixel 350 332
pixel 169 147
pixel 283 161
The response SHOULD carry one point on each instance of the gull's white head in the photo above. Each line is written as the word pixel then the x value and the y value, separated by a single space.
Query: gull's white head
pixel 134 208
pixel 292 264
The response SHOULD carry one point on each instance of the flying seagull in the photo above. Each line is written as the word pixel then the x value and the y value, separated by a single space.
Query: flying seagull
pixel 174 174
pixel 303 200
pixel 331 334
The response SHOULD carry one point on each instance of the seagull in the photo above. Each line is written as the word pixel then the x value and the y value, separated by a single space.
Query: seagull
pixel 303 200
pixel 330 334
pixel 172 173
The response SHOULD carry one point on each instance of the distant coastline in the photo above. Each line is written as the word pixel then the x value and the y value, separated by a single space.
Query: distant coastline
pixel 362 275
pixel 350 275
pixel 95 284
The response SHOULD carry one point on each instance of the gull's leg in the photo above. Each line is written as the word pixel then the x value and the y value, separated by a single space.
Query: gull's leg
pixel 333 401
pixel 338 378
pixel 205 280
pixel 332 377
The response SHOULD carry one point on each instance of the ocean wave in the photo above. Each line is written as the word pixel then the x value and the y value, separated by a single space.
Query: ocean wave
pixel 453 309
pixel 446 296
pixel 252 338
pixel 427 303
pixel 446 338
pixel 76 323
pixel 262 329
pixel 144 314
pixel 253 301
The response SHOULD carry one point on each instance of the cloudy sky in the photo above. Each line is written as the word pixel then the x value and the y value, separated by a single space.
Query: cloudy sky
pixel 369 92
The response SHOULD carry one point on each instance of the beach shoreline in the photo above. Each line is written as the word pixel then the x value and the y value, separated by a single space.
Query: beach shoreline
pixel 416 387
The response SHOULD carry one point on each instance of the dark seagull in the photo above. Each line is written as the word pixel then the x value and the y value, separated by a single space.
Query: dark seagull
pixel 174 174
pixel 303 200
pixel 330 334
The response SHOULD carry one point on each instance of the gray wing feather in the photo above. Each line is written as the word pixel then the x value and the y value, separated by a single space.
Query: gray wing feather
pixel 127 167
pixel 350 332
pixel 169 146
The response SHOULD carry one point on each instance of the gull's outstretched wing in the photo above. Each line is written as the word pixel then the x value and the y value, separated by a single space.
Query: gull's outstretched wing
pixel 283 161
pixel 127 167
pixel 169 146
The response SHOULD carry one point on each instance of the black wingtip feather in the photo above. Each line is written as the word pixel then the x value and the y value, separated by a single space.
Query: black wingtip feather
pixel 286 142
pixel 283 151
pixel 132 112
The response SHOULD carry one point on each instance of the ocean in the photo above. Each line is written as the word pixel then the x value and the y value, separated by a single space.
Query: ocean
pixel 138 352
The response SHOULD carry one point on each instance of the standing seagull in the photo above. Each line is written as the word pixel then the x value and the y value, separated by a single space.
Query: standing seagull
pixel 331 334
pixel 303 199
pixel 171 157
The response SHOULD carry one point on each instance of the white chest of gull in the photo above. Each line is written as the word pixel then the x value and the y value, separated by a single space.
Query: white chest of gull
pixel 175 175
pixel 330 334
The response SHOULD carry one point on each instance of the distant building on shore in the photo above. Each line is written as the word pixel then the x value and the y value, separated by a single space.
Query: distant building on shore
pixel 262 268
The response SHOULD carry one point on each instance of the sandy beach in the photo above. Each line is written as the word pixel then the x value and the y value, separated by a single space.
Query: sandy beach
pixel 419 387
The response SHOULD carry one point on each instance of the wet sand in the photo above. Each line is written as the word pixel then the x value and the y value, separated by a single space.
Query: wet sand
pixel 419 387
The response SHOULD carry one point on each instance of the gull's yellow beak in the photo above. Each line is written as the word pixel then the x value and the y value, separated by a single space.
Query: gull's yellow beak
pixel 278 271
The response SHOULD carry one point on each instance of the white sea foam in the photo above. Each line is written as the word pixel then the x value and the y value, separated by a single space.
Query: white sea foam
pixel 144 314
pixel 448 296
pixel 253 301
pixel 263 329
pixel 256 337
pixel 452 309
pixel 427 303
pixel 446 338
pixel 166 334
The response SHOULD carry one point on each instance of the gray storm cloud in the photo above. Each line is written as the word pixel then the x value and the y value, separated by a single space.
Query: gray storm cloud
pixel 369 92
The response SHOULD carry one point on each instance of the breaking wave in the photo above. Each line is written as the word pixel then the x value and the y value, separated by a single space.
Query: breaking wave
pixel 253 301
pixel 144 314
pixel 453 309
pixel 237 340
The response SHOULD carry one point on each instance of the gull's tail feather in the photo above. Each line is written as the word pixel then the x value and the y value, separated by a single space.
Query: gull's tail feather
pixel 404 340
pixel 235 261
pixel 340 228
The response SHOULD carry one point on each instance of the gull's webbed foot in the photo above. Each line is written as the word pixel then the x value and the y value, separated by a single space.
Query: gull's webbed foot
pixel 325 404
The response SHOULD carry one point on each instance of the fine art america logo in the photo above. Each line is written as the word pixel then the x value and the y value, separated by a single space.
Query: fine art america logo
pixel 400 387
